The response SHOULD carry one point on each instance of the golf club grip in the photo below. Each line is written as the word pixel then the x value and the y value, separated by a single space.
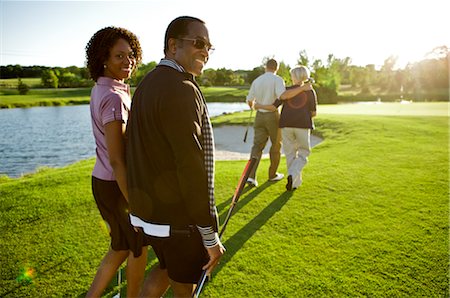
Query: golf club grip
pixel 243 179
pixel 248 124
pixel 248 168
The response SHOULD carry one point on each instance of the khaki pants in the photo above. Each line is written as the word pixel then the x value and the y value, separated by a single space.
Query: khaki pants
pixel 265 127
pixel 296 147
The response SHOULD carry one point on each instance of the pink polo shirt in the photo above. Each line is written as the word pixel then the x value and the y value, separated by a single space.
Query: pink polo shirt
pixel 110 101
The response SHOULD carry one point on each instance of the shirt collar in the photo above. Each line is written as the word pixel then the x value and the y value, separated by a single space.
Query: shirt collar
pixel 107 81
pixel 171 63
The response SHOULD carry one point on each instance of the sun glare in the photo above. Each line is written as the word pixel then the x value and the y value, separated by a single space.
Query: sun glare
pixel 26 275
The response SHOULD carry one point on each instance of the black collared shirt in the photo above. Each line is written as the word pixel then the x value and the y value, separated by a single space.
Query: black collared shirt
pixel 296 111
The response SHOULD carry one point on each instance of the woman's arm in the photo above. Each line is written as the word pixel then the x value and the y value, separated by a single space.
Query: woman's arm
pixel 115 143
pixel 289 93
pixel 258 106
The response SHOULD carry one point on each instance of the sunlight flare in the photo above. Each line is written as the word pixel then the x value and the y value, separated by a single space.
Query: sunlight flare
pixel 27 275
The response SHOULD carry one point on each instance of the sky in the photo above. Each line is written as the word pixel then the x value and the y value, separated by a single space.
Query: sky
pixel 244 32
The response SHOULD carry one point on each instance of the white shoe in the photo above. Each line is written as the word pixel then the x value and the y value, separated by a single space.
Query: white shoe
pixel 277 177
pixel 252 182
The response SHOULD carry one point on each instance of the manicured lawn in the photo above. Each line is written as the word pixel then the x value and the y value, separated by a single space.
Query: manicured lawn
pixel 388 108
pixel 45 97
pixel 371 219
pixel 12 83
pixel 225 94
pixel 9 98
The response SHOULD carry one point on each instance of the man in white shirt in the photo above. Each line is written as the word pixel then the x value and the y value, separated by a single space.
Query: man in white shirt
pixel 265 90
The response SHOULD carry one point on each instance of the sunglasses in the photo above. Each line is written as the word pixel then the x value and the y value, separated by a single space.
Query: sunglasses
pixel 200 44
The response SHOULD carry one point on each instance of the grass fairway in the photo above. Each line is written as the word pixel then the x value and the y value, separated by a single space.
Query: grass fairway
pixel 371 219
pixel 45 97
pixel 225 94
pixel 390 108
pixel 10 98
pixel 13 83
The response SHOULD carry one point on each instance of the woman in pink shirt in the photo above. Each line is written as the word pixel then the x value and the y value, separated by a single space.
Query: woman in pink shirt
pixel 112 55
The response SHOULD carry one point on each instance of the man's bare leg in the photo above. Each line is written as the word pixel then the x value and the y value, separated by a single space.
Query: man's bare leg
pixel 156 283
pixel 181 290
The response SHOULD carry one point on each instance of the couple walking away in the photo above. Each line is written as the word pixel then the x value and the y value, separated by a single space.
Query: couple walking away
pixel 160 190
pixel 292 128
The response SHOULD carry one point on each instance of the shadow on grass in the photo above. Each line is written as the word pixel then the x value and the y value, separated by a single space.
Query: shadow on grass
pixel 246 189
pixel 241 203
pixel 235 242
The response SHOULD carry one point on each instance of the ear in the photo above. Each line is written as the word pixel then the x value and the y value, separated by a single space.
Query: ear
pixel 172 45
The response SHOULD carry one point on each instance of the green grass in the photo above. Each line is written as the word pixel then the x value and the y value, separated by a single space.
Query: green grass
pixel 12 83
pixel 225 94
pixel 45 97
pixel 348 93
pixel 390 108
pixel 10 98
pixel 371 219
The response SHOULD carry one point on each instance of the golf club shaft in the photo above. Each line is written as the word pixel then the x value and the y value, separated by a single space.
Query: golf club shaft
pixel 248 167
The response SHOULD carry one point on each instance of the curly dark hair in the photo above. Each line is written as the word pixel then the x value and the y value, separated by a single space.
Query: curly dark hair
pixel 100 44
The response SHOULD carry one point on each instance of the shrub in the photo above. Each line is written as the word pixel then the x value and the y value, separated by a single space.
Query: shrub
pixel 326 95
pixel 22 87
pixel 49 79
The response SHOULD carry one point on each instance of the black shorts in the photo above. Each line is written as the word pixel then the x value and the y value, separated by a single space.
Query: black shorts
pixel 182 254
pixel 114 209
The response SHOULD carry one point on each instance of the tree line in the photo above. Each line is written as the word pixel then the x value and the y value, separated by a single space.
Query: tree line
pixel 427 79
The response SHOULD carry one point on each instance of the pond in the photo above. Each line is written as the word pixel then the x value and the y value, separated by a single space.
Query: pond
pixel 55 136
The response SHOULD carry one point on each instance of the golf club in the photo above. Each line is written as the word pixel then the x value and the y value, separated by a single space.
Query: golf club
pixel 119 281
pixel 248 167
pixel 248 125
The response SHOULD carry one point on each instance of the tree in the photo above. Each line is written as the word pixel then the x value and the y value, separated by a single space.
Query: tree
pixel 22 87
pixel 429 78
pixel 387 74
pixel 254 73
pixel 303 59
pixel 359 77
pixel 68 79
pixel 49 79
pixel 328 78
pixel 11 71
pixel 141 72
pixel 236 79
pixel 438 53
pixel 284 72
pixel 223 76
pixel 207 78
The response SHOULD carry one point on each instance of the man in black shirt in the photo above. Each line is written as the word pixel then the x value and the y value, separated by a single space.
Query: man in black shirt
pixel 170 161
